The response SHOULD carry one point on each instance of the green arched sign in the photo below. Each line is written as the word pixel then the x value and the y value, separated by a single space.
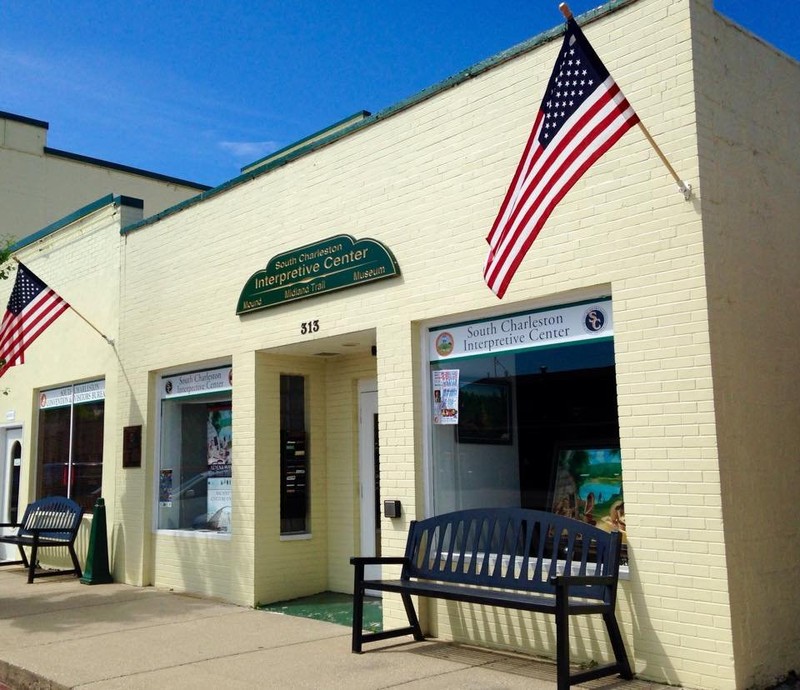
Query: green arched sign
pixel 331 264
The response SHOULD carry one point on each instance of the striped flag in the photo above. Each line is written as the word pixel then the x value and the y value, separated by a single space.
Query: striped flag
pixel 582 115
pixel 32 307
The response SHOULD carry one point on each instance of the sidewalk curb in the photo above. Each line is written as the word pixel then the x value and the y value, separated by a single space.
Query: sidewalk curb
pixel 16 678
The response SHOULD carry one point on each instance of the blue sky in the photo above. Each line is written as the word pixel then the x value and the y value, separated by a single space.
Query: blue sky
pixel 198 89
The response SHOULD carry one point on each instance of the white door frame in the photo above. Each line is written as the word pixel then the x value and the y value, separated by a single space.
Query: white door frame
pixel 367 409
pixel 11 436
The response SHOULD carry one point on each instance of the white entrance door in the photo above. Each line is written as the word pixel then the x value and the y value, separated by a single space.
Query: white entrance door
pixel 10 468
pixel 369 477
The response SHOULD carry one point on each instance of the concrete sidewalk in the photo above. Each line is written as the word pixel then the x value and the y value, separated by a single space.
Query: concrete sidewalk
pixel 58 633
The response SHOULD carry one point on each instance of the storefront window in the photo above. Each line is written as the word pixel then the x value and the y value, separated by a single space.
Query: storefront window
pixel 525 415
pixel 195 478
pixel 294 456
pixel 70 449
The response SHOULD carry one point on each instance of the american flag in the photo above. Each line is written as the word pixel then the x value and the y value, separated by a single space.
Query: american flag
pixel 582 115
pixel 32 307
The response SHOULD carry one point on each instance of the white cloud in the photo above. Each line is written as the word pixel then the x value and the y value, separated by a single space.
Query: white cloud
pixel 250 150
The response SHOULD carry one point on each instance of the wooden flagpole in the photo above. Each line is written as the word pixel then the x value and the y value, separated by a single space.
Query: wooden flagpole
pixel 88 323
pixel 683 187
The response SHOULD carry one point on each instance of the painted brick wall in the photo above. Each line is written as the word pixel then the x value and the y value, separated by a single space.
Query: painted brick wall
pixel 289 567
pixel 749 152
pixel 342 401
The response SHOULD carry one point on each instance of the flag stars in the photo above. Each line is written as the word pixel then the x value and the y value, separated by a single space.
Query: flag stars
pixel 576 83
pixel 573 80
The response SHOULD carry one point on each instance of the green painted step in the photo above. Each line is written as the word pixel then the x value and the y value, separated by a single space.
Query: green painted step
pixel 332 607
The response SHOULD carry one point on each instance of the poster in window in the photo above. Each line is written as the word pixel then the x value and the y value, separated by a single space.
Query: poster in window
pixel 588 486
pixel 219 503
pixel 219 440
pixel 165 489
pixel 445 396
pixel 486 412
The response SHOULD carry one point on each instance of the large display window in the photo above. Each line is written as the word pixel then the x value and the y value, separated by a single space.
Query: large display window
pixel 70 448
pixel 195 475
pixel 524 414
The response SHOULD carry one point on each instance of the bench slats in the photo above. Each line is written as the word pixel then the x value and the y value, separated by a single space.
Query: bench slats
pixel 496 549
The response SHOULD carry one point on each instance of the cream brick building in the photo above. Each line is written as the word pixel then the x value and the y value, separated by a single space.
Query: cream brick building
pixel 691 383
pixel 40 185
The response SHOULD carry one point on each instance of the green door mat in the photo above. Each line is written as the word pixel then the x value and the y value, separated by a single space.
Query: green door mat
pixel 332 607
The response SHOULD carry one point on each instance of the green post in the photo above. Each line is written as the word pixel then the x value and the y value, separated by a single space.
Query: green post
pixel 96 571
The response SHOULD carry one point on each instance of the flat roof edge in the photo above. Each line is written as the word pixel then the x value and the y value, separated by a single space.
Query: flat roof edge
pixel 124 168
pixel 24 120
pixel 341 124
pixel 107 200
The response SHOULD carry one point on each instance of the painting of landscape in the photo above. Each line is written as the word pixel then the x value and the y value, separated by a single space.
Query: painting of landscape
pixel 588 486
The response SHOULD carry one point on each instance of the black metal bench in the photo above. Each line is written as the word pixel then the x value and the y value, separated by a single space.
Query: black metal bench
pixel 509 557
pixel 48 522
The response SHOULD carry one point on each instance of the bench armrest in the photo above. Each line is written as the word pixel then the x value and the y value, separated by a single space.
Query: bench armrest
pixel 10 524
pixel 378 560
pixel 577 580
pixel 360 563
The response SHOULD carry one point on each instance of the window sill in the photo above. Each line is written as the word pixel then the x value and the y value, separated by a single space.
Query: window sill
pixel 194 534
pixel 301 536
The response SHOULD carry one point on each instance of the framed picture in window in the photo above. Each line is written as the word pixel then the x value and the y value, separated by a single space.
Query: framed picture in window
pixel 484 414
pixel 587 485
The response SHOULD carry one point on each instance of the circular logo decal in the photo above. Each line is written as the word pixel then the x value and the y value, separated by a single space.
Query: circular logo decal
pixel 594 320
pixel 42 400
pixel 168 387
pixel 444 344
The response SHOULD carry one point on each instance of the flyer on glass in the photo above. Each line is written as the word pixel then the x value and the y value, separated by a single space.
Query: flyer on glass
pixel 445 396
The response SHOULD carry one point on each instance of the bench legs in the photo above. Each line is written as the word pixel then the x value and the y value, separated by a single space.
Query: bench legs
pixel 562 640
pixel 618 646
pixel 359 637
pixel 75 562
pixel 621 665
pixel 31 564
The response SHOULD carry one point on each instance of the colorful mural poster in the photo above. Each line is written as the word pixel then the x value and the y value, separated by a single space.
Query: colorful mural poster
pixel 588 487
